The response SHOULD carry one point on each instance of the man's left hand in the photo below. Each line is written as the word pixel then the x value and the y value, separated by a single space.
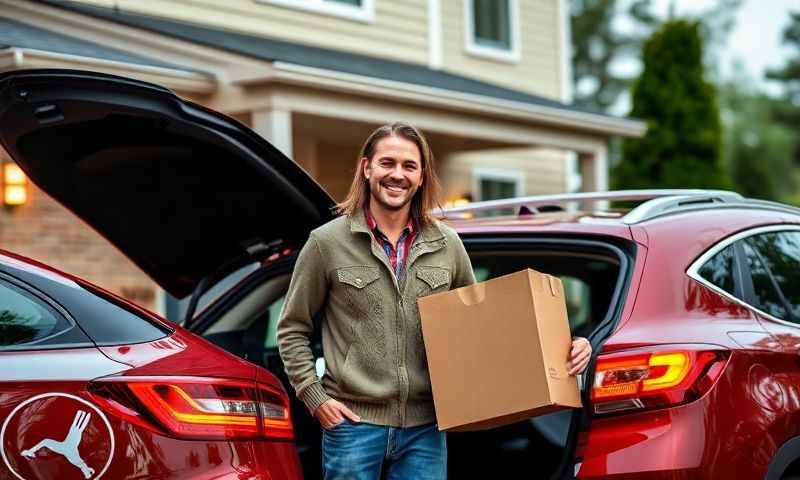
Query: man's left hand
pixel 579 355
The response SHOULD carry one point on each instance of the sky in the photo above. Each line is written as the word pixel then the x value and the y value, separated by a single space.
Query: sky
pixel 755 39
pixel 754 42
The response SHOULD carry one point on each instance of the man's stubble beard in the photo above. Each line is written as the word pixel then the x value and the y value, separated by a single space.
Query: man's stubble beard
pixel 409 200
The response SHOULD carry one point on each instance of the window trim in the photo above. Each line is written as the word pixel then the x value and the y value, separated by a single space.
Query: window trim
pixel 364 14
pixel 693 269
pixel 512 55
pixel 51 306
pixel 500 174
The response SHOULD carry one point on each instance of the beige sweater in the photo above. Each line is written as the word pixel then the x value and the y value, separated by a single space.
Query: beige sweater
pixel 371 336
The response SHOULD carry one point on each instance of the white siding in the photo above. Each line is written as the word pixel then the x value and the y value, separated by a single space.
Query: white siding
pixel 398 32
pixel 543 170
pixel 538 70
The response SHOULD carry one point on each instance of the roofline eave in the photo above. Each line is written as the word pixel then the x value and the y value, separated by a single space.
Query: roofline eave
pixel 293 74
pixel 181 81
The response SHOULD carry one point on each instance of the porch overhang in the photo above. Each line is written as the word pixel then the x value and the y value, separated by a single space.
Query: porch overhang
pixel 282 73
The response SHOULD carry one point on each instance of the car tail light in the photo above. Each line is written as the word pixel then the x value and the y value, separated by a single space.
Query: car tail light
pixel 198 407
pixel 655 377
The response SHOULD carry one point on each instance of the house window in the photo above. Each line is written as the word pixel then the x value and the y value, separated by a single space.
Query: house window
pixel 497 184
pixel 359 10
pixel 492 28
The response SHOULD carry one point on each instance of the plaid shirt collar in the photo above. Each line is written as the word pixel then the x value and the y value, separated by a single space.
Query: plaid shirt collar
pixel 373 225
pixel 397 255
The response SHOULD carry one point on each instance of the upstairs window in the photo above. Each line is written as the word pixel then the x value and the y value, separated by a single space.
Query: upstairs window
pixel 493 28
pixel 360 10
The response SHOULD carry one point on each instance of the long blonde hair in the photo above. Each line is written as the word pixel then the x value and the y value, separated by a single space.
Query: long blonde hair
pixel 426 197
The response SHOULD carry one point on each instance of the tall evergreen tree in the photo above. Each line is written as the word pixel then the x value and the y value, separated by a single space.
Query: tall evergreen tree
pixel 683 145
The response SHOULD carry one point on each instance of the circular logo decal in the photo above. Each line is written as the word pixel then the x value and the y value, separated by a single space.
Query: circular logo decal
pixel 57 435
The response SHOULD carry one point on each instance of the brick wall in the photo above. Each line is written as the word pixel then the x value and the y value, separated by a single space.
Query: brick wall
pixel 45 231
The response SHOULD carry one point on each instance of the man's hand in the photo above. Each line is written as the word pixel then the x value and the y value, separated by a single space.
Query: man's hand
pixel 579 356
pixel 332 413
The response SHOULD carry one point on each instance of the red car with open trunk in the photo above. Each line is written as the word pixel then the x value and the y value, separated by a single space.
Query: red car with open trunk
pixel 691 301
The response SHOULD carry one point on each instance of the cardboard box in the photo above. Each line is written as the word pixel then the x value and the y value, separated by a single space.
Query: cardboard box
pixel 497 351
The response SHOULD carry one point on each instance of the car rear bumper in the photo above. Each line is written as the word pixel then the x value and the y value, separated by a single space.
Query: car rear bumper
pixel 673 443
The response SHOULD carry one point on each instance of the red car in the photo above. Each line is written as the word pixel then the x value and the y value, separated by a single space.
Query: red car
pixel 690 301
pixel 90 385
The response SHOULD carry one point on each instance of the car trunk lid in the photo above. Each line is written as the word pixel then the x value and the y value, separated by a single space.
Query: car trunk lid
pixel 181 190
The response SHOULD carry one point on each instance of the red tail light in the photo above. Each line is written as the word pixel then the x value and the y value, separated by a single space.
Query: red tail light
pixel 198 407
pixel 655 377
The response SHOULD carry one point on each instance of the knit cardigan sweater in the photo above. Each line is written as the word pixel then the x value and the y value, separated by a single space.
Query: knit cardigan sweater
pixel 371 336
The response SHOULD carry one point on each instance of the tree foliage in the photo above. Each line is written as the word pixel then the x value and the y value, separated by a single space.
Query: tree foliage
pixel 597 44
pixel 683 145
pixel 788 112
pixel 758 149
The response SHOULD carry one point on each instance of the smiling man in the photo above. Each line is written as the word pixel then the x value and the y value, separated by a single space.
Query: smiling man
pixel 364 271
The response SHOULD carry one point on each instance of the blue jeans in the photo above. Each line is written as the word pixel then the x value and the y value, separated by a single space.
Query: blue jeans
pixel 358 451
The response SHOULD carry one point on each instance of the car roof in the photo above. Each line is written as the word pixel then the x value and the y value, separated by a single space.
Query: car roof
pixel 576 222
pixel 691 211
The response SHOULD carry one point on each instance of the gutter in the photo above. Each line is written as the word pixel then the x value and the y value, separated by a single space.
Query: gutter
pixel 15 58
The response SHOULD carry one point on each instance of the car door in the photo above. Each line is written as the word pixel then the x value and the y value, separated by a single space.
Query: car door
pixel 772 259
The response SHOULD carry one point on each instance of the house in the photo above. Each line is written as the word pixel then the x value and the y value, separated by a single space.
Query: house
pixel 487 80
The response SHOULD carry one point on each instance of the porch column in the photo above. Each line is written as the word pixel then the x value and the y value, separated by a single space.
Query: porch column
pixel 275 124
pixel 593 167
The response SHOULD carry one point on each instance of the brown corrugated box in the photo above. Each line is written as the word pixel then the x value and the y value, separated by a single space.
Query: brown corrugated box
pixel 497 351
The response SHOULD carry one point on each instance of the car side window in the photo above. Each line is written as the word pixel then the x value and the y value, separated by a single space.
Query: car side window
pixel 719 270
pixel 578 300
pixel 779 252
pixel 766 295
pixel 274 311
pixel 25 319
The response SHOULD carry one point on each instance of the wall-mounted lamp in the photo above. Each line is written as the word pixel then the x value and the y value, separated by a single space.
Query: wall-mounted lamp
pixel 15 185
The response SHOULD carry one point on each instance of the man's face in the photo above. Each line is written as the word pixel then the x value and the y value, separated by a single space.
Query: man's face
pixel 394 172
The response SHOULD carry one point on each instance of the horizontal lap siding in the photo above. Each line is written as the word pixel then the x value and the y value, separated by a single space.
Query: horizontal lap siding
pixel 538 70
pixel 399 32
pixel 543 170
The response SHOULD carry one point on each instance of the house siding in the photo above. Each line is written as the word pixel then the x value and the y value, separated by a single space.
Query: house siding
pixel 543 170
pixel 539 69
pixel 399 31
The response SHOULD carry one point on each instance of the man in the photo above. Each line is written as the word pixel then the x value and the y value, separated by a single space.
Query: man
pixel 364 271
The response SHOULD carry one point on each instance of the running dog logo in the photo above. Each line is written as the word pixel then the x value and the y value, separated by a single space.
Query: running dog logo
pixel 37 442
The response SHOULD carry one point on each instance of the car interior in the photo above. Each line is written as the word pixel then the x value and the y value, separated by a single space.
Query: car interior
pixel 589 275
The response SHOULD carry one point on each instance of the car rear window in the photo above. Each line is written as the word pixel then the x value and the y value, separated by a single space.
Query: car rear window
pixel 109 322
pixel 104 319
pixel 26 319
pixel 719 270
